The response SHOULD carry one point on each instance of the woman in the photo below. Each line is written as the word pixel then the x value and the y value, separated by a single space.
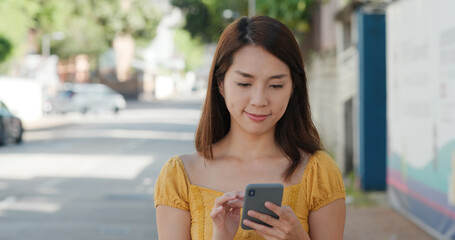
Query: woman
pixel 255 127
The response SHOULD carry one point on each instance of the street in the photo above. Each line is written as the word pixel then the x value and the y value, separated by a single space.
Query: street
pixel 92 176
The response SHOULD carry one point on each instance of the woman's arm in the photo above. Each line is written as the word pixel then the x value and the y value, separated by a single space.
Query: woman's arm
pixel 173 223
pixel 328 221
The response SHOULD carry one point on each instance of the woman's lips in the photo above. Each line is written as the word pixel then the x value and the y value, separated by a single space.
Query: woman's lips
pixel 256 117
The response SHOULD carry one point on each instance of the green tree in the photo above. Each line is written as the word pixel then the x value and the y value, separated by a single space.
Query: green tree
pixel 90 26
pixel 191 48
pixel 137 18
pixel 294 13
pixel 123 20
pixel 17 12
pixel 30 16
pixel 96 23
pixel 5 48
pixel 204 18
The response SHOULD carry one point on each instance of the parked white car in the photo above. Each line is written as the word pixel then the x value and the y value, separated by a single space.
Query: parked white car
pixel 86 97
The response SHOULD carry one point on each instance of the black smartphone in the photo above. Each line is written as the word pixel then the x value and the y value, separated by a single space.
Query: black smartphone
pixel 255 197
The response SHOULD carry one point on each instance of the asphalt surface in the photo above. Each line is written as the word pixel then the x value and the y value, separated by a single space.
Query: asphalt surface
pixel 92 177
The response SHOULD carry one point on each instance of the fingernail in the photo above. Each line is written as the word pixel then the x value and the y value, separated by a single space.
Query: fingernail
pixel 268 204
pixel 251 213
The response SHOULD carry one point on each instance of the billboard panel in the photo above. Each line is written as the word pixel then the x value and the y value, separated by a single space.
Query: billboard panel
pixel 421 112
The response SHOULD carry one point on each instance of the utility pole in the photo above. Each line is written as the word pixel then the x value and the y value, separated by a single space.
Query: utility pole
pixel 46 42
pixel 251 8
pixel 45 45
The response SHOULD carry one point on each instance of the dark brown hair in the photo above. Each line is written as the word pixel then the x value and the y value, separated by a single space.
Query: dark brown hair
pixel 295 131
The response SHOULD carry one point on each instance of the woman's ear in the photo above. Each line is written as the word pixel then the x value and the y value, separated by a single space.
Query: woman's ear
pixel 221 87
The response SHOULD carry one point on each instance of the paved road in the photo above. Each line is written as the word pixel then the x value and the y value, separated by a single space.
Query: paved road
pixel 92 176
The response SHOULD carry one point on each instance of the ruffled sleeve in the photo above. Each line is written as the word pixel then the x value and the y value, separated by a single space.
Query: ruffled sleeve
pixel 172 186
pixel 324 182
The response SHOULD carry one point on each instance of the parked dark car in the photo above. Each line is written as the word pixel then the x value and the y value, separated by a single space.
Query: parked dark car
pixel 10 126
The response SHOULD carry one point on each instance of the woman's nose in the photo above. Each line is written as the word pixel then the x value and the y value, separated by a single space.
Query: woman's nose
pixel 259 97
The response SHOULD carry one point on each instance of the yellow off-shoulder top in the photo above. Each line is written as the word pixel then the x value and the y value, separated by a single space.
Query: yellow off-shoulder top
pixel 321 184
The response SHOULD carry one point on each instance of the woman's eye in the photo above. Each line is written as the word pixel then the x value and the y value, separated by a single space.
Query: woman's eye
pixel 276 86
pixel 243 84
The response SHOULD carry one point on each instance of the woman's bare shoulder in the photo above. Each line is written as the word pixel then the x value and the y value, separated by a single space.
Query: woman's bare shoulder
pixel 192 163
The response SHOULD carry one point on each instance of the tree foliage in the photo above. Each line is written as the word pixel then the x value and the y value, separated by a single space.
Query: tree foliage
pixel 192 49
pixel 5 48
pixel 18 12
pixel 293 13
pixel 89 25
pixel 204 18
pixel 95 24
pixel 140 19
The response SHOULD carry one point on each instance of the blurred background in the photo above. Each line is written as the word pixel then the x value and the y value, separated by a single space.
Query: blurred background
pixel 95 96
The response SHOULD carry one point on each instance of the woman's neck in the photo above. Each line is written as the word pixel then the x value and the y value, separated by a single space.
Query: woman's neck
pixel 244 146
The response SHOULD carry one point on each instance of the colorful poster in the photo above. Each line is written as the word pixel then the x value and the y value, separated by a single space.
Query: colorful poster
pixel 421 112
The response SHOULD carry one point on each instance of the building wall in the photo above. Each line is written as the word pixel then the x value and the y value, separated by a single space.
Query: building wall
pixel 328 34
pixel 23 97
pixel 332 81
pixel 348 66
pixel 323 94
pixel 421 113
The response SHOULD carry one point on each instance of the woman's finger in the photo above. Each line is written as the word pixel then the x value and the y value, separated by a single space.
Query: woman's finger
pixel 236 203
pixel 263 230
pixel 284 212
pixel 228 196
pixel 225 197
pixel 265 218
pixel 274 208
pixel 216 211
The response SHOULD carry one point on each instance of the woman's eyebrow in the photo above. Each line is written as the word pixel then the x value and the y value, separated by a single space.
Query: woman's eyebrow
pixel 244 74
pixel 279 76
pixel 247 75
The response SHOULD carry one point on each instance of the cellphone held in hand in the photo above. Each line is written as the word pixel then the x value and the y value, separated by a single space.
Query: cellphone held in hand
pixel 255 197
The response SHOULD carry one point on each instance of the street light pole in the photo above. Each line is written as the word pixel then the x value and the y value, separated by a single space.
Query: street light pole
pixel 251 8
pixel 45 45
pixel 46 42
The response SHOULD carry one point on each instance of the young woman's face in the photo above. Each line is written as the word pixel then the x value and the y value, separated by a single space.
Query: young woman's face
pixel 256 89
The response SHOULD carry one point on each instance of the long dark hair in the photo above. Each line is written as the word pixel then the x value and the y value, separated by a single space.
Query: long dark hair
pixel 295 131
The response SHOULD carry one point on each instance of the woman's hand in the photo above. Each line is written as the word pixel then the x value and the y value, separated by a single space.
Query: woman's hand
pixel 226 215
pixel 286 227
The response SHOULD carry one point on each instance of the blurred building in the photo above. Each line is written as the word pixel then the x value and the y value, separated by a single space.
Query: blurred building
pixel 421 113
pixel 383 97
pixel 349 39
pixel 25 92
pixel 163 66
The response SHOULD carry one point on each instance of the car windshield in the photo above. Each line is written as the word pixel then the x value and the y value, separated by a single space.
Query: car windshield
pixel 3 106
pixel 93 89
pixel 65 94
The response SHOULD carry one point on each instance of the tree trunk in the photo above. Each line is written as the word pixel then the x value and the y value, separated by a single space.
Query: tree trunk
pixel 124 54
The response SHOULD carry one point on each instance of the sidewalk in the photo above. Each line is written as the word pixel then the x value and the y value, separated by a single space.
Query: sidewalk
pixel 379 221
pixel 49 121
